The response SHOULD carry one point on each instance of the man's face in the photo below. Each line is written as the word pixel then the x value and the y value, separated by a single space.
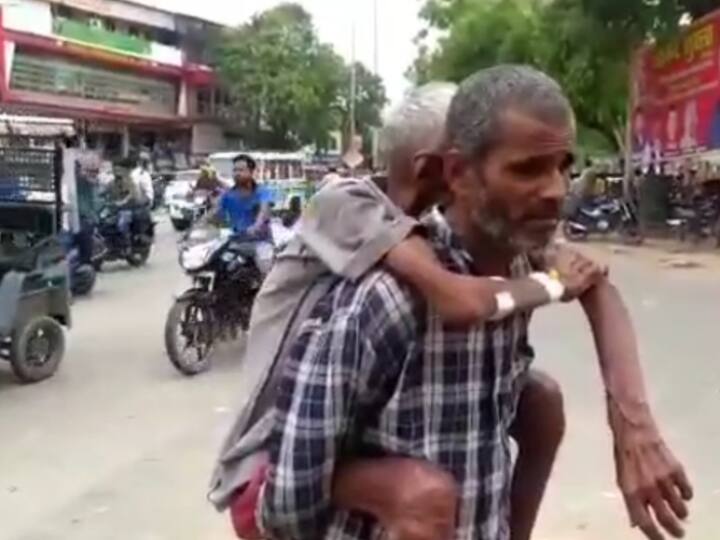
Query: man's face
pixel 242 173
pixel 513 195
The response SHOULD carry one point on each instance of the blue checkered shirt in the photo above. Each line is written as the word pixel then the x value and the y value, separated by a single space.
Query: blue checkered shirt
pixel 374 373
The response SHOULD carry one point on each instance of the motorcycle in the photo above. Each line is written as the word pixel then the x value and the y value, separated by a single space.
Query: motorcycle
pixel 700 219
pixel 604 216
pixel 109 244
pixel 225 281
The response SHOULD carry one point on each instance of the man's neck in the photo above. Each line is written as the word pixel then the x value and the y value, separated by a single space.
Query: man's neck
pixel 244 188
pixel 490 257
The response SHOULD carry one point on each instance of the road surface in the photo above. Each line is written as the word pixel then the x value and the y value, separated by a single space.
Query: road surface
pixel 119 446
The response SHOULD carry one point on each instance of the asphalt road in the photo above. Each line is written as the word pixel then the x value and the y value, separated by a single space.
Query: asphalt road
pixel 119 446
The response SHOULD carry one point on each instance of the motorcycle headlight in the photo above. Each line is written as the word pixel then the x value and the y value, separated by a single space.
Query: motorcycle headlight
pixel 195 257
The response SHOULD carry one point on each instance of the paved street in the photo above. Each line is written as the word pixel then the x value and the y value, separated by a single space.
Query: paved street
pixel 119 446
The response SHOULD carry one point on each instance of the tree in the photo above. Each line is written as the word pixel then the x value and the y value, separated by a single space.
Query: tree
pixel 556 37
pixel 288 87
pixel 585 44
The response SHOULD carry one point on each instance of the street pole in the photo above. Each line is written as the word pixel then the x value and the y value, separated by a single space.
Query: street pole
pixel 376 58
pixel 353 87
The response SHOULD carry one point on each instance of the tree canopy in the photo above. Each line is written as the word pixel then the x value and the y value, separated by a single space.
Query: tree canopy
pixel 289 87
pixel 585 44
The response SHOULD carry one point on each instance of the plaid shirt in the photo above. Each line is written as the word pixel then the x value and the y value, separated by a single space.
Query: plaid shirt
pixel 374 372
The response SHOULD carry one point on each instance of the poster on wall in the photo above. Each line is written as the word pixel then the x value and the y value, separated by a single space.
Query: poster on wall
pixel 676 95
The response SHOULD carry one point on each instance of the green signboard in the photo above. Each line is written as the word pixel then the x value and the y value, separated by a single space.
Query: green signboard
pixel 85 33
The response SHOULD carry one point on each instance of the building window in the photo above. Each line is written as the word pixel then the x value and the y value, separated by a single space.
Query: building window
pixel 53 76
pixel 203 101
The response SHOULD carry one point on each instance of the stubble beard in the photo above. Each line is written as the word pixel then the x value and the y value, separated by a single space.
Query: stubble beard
pixel 498 230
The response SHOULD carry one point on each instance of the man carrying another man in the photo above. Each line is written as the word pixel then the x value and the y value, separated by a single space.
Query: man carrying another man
pixel 374 373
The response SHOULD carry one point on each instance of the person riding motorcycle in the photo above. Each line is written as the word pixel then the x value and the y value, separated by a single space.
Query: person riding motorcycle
pixel 246 207
pixel 208 187
pixel 583 190
pixel 125 195
pixel 208 182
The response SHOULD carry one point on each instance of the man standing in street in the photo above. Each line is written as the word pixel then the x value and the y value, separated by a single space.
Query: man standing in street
pixel 87 187
pixel 374 373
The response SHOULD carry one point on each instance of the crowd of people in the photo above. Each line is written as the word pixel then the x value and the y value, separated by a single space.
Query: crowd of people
pixel 391 337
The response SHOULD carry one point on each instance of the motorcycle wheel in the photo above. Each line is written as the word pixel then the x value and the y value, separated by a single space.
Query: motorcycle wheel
pixel 573 234
pixel 139 256
pixel 83 280
pixel 631 235
pixel 191 322
pixel 180 225
pixel 37 349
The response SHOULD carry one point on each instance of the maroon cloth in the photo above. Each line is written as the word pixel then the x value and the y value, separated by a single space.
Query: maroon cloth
pixel 244 506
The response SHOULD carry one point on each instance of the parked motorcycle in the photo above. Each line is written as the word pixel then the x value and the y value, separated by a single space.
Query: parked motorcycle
pixel 604 216
pixel 109 244
pixel 225 281
pixel 699 220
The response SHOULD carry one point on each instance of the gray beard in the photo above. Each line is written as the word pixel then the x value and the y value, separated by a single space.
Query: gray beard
pixel 498 231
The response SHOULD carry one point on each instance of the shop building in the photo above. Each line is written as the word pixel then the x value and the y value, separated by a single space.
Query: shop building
pixel 132 77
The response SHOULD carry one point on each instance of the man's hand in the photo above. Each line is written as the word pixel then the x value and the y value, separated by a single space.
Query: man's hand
pixel 411 499
pixel 575 271
pixel 423 504
pixel 653 483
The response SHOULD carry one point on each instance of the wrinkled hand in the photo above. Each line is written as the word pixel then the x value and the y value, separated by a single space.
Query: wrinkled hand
pixel 424 505
pixel 576 272
pixel 653 483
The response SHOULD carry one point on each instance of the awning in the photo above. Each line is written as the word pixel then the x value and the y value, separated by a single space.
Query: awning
pixel 35 126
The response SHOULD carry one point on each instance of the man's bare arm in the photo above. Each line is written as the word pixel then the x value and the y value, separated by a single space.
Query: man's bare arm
pixel 652 480
pixel 466 300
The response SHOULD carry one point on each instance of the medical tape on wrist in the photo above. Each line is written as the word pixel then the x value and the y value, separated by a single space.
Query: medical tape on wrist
pixel 552 286
pixel 506 305
pixel 504 301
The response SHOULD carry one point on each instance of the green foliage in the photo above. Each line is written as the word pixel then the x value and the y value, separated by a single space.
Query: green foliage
pixel 290 88
pixel 585 44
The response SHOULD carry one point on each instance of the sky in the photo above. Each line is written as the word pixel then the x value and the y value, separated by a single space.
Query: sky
pixel 398 24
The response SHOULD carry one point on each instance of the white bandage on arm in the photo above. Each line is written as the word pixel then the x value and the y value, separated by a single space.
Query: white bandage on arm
pixel 553 286
pixel 506 305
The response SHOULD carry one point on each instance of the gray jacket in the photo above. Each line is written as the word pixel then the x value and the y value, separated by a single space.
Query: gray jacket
pixel 347 228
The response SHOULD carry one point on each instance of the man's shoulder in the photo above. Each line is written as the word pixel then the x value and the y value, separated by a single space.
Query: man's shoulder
pixel 342 188
pixel 379 300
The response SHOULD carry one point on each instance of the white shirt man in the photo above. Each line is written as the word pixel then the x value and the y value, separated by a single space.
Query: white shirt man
pixel 143 181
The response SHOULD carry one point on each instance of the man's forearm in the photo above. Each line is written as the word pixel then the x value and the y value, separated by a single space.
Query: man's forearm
pixel 617 350
pixel 262 216
pixel 414 261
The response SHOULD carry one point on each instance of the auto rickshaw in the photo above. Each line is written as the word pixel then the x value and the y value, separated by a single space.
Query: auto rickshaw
pixel 34 275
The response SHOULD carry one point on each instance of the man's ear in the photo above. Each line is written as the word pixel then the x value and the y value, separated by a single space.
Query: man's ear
pixel 454 170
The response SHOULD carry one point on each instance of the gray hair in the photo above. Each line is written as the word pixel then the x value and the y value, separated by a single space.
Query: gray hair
pixel 420 116
pixel 473 122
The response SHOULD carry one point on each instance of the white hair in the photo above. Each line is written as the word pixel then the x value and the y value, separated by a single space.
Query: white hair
pixel 418 118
